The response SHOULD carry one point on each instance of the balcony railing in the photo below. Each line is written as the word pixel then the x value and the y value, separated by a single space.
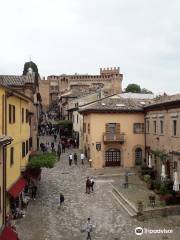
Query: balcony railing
pixel 113 137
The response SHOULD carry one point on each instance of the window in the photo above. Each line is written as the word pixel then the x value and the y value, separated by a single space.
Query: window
pixel 12 114
pixel 11 156
pixel 147 126
pixel 27 147
pixel 111 128
pixel 84 127
pixel 23 149
pixel 27 116
pixel 138 128
pixel 77 118
pixel 155 127
pixel 175 165
pixel 161 127
pixel 22 117
pixel 174 127
pixel 30 143
pixel 88 127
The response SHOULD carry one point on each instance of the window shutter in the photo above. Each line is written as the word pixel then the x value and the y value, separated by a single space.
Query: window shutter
pixel 117 127
pixel 14 114
pixel 9 113
pixel 107 128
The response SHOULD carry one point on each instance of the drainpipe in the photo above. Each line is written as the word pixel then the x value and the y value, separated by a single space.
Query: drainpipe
pixel 145 141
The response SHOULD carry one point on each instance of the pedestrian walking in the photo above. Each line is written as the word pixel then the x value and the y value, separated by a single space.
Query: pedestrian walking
pixel 55 137
pixel 92 184
pixel 89 228
pixel 52 146
pixel 82 158
pixel 75 158
pixel 63 147
pixel 59 151
pixel 88 185
pixel 61 200
pixel 34 192
pixel 90 162
pixel 70 159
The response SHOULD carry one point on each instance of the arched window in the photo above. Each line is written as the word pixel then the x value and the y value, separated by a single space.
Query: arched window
pixel 138 156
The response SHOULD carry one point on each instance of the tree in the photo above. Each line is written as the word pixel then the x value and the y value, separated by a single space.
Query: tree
pixel 144 90
pixel 134 88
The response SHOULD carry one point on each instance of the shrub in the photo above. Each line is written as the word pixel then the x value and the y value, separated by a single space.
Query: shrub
pixel 163 189
pixel 46 160
pixel 147 178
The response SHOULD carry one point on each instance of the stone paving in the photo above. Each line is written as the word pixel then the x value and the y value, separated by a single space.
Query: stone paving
pixel 45 221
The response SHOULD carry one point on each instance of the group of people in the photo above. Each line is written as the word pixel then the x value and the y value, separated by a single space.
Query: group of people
pixel 75 158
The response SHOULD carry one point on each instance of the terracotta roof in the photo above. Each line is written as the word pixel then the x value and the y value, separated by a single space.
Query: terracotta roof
pixel 111 104
pixel 15 80
pixel 164 100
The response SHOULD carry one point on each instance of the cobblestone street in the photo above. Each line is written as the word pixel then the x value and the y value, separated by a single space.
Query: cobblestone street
pixel 44 221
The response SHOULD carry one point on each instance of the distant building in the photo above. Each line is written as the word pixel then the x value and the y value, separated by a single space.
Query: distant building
pixel 110 80
pixel 76 117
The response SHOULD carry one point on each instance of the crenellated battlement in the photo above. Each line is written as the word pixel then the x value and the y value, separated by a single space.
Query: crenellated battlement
pixel 110 71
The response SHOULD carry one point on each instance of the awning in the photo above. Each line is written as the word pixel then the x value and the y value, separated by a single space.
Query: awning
pixel 17 188
pixel 8 234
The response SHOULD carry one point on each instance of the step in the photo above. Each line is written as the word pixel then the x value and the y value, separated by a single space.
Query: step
pixel 128 207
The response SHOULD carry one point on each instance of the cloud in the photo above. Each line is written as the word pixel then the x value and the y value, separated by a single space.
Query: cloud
pixel 67 36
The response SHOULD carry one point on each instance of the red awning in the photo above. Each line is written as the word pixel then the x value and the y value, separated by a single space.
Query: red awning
pixel 8 234
pixel 17 188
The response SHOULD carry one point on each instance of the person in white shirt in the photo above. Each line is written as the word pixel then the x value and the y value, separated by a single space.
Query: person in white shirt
pixel 70 159
pixel 92 184
pixel 82 158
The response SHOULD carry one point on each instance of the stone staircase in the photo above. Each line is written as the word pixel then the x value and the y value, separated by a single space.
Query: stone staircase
pixel 127 206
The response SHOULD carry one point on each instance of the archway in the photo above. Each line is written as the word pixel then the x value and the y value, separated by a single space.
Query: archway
pixel 138 156
pixel 113 158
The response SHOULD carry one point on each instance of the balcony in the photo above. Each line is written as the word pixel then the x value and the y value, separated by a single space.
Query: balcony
pixel 113 137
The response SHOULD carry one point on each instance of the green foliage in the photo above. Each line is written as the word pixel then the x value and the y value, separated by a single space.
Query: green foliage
pixel 62 122
pixel 147 178
pixel 161 154
pixel 46 160
pixel 157 184
pixel 144 90
pixel 163 190
pixel 134 88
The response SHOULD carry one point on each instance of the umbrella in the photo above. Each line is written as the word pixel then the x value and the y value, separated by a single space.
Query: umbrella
pixel 150 162
pixel 176 183
pixel 163 174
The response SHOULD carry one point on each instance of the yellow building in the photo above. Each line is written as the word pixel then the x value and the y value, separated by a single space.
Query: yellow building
pixel 15 123
pixel 114 132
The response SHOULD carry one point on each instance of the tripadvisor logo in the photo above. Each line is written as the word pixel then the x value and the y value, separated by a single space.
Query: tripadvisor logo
pixel 139 231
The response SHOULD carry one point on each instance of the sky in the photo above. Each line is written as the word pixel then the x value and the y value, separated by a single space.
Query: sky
pixel 141 37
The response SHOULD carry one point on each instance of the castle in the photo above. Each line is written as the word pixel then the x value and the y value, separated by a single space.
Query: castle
pixel 110 80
